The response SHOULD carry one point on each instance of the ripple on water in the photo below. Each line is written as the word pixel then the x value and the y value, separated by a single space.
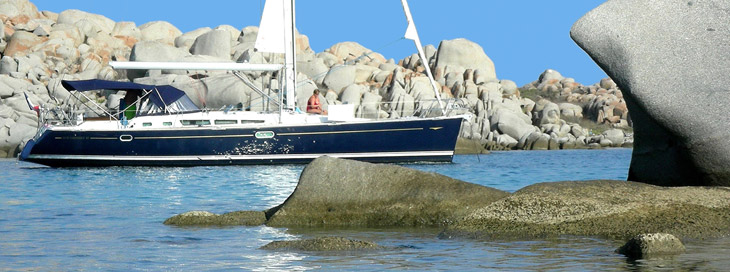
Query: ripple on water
pixel 111 219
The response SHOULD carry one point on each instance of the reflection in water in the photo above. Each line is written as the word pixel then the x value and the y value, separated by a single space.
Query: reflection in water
pixel 111 219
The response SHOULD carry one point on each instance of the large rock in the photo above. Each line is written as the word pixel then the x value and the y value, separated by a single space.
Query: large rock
pixel 337 192
pixel 339 77
pixel 91 22
pixel 12 8
pixel 617 209
pixel 160 31
pixel 215 43
pixel 352 50
pixel 460 54
pixel 128 29
pixel 509 123
pixel 616 136
pixel 67 31
pixel 674 81
pixel 20 43
pixel 227 89
pixel 186 40
pixel 153 51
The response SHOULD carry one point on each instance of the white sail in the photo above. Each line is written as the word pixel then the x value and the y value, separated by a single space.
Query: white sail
pixel 276 35
pixel 271 29
pixel 412 34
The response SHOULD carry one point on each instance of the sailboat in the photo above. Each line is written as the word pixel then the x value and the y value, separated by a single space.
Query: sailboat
pixel 161 126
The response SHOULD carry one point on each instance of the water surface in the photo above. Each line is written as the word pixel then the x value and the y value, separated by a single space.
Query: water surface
pixel 111 219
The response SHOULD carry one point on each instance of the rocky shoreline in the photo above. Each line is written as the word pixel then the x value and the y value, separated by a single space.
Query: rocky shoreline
pixel 375 195
pixel 40 48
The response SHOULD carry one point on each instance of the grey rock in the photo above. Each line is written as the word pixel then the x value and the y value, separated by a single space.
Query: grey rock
pixel 42 30
pixel 322 244
pixel 651 245
pixel 547 112
pixel 370 105
pixel 74 16
pixel 570 110
pixel 205 219
pixel 314 69
pixel 8 65
pixel 128 29
pixel 550 75
pixel 509 87
pixel 351 51
pixel 339 77
pixel 186 40
pixel 213 43
pixel 616 136
pixel 506 140
pixel 353 94
pixel 225 90
pixel 465 54
pixel 233 32
pixel 160 31
pixel 681 137
pixel 305 89
pixel 509 123
pixel 153 51
pixel 377 195
pixel 617 209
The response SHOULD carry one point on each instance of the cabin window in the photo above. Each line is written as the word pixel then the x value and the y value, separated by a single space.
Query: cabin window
pixel 251 121
pixel 195 122
pixel 167 124
pixel 146 124
pixel 226 122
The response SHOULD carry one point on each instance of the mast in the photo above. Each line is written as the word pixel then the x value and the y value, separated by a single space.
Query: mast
pixel 412 34
pixel 290 57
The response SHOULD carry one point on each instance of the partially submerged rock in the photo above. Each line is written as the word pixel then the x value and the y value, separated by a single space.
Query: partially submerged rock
pixel 338 192
pixel 617 209
pixel 322 244
pixel 644 246
pixel 203 218
pixel 469 146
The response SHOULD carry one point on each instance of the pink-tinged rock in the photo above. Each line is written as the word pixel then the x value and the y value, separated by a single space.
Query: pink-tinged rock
pixel 21 42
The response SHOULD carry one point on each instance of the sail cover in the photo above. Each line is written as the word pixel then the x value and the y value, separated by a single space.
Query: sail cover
pixel 162 96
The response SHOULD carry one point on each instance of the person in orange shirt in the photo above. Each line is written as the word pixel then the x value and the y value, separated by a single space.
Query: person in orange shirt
pixel 313 105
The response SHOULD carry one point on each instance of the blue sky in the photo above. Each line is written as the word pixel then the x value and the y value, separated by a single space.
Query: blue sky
pixel 523 38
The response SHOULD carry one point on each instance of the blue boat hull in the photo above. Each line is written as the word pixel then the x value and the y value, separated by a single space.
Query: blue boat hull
pixel 378 141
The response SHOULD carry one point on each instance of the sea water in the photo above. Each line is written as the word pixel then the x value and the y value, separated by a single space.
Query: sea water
pixel 111 219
